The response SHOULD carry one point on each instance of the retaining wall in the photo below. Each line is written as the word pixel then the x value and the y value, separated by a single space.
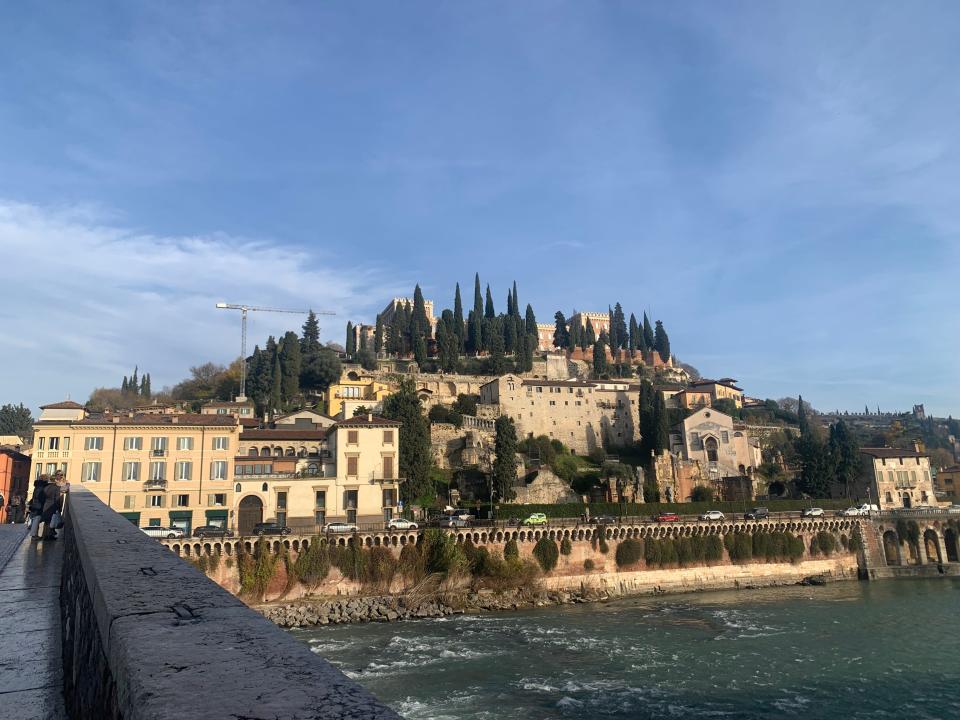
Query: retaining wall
pixel 148 637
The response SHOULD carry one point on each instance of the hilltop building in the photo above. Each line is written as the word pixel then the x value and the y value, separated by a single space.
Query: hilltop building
pixel 356 388
pixel 387 314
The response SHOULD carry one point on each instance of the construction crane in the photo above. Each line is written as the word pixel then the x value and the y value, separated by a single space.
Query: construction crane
pixel 244 309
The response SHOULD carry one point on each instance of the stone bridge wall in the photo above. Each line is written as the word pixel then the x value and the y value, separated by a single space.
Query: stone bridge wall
pixel 148 637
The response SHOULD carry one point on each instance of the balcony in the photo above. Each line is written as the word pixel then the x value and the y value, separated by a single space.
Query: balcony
pixel 156 484
pixel 378 478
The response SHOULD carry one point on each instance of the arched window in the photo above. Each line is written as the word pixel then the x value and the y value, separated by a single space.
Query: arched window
pixel 302 452
pixel 313 468
pixel 238 487
pixel 253 452
pixel 291 452
pixel 710 444
pixel 265 451
pixel 264 487
pixel 278 452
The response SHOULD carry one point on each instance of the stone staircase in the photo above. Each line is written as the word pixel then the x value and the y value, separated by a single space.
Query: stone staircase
pixel 872 556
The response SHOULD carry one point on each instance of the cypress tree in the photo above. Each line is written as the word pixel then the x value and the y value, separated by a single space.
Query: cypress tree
pixel 290 361
pixel 419 349
pixel 802 416
pixel 509 303
pixel 310 340
pixel 600 355
pixel 420 322
pixel 124 386
pixel 612 333
pixel 378 336
pixel 488 312
pixel 634 335
pixel 477 296
pixel 516 302
pixel 351 344
pixel 590 335
pixel 145 390
pixel 505 463
pixel 134 383
pixel 560 336
pixel 661 424
pixel 509 333
pixel 415 453
pixel 648 338
pixel 458 327
pixel 621 328
pixel 574 337
pixel 662 342
pixel 494 328
pixel 530 322
pixel 276 392
pixel 647 419
pixel 474 332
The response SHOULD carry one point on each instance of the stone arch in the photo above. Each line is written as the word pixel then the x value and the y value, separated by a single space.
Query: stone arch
pixel 176 548
pixel 931 544
pixel 207 549
pixel 368 541
pixel 265 451
pixel 950 540
pixel 249 513
pixel 712 449
pixel 891 548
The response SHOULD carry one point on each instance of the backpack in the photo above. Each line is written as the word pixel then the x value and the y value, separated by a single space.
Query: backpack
pixel 36 501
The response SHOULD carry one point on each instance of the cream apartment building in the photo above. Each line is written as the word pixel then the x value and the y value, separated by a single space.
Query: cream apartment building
pixel 892 478
pixel 710 438
pixel 583 415
pixel 155 469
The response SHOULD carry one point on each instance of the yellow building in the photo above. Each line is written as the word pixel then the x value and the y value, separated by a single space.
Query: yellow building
pixel 356 388
pixel 306 478
pixel 155 469
pixel 724 388
pixel 946 485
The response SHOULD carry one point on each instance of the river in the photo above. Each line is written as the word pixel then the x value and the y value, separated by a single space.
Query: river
pixel 849 650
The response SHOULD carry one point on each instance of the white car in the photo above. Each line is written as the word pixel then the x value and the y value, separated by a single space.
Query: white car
pixel 812 512
pixel 867 508
pixel 712 515
pixel 158 531
pixel 341 527
pixel 851 512
pixel 954 509
pixel 399 523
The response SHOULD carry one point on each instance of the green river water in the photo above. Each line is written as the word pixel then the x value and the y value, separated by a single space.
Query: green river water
pixel 849 650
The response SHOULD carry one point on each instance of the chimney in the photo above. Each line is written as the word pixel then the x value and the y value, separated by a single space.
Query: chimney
pixel 369 417
pixel 174 419
pixel 116 419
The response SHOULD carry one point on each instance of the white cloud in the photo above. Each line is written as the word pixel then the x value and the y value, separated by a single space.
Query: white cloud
pixel 85 299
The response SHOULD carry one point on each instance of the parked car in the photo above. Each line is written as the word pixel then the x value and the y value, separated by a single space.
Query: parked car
pixel 712 515
pixel 211 531
pixel 340 527
pixel 399 523
pixel 453 521
pixel 535 519
pixel 160 531
pixel 811 512
pixel 666 517
pixel 604 520
pixel 850 512
pixel 954 509
pixel 867 508
pixel 270 528
pixel 757 513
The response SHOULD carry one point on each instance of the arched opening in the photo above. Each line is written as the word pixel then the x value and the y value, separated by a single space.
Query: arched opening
pixel 265 451
pixel 249 513
pixel 291 452
pixel 931 544
pixel 891 548
pixel 710 445
pixel 907 502
pixel 253 452
pixel 950 540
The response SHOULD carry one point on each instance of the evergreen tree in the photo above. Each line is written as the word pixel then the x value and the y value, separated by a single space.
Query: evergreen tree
pixel 124 387
pixel 134 384
pixel 448 345
pixel 276 391
pixel 378 336
pixel 516 302
pixel 844 456
pixel 802 416
pixel 310 340
pixel 419 349
pixel 661 342
pixel 509 303
pixel 509 333
pixel 591 335
pixel 634 341
pixel 661 424
pixel 477 296
pixel 488 312
pixel 290 361
pixel 612 333
pixel 258 379
pixel 16 420
pixel 600 355
pixel 415 450
pixel 406 339
pixel 505 463
pixel 530 323
pixel 619 339
pixel 459 328
pixel 145 390
pixel 420 322
pixel 648 338
pixel 498 362
pixel 648 425
pixel 395 337
pixel 560 336
pixel 474 333
pixel 351 344
pixel 574 337
pixel 320 370
pixel 814 459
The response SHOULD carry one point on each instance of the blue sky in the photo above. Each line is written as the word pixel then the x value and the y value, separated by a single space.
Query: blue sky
pixel 777 182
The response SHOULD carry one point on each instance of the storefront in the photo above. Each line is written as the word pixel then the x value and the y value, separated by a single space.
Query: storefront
pixel 217 518
pixel 182 519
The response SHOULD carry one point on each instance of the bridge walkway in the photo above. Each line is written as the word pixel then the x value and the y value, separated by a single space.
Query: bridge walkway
pixel 31 671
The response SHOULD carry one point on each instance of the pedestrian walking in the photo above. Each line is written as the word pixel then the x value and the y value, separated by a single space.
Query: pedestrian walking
pixel 52 503
pixel 35 508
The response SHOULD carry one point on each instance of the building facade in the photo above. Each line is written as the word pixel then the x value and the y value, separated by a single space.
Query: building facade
pixel 240 408
pixel 709 438
pixel 724 388
pixel 946 484
pixel 892 478
pixel 14 483
pixel 356 388
pixel 583 415
pixel 170 470
pixel 387 314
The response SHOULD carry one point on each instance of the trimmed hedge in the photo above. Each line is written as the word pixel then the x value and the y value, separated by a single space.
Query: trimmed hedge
pixel 734 509
pixel 629 552
pixel 546 553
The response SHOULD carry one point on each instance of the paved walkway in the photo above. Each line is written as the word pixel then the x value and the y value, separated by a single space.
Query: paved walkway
pixel 31 679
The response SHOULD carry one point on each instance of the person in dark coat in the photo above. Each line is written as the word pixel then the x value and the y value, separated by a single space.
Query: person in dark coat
pixel 36 505
pixel 51 505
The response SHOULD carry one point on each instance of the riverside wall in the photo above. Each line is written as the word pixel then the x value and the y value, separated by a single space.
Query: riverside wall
pixel 148 637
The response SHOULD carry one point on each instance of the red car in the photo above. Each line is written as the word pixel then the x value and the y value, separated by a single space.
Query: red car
pixel 667 517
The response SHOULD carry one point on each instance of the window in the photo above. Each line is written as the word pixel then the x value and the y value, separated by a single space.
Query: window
pixel 320 499
pixel 389 498
pixel 90 472
pixel 90 443
pixel 889 497
pixel 221 443
pixel 217 499
pixel 879 476
pixel 388 467
pixel 155 500
pixel 913 477
pixel 42 443
pixel 182 500
pixel 320 517
pixel 724 436
pixel 184 444
pixel 539 388
pixel 553 402
pixel 218 470
pixel 352 466
pixel 353 437
pixel 66 443
pixel 154 522
pixel 133 443
pixel 129 502
pixel 158 471
pixel 158 446
pixel 388 437
pixel 889 475
pixel 55 443
pixel 282 508
pixel 184 470
pixel 131 471
pixel 221 411
pixel 926 476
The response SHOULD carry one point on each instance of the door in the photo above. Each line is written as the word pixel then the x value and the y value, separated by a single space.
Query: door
pixel 249 514
pixel 711 447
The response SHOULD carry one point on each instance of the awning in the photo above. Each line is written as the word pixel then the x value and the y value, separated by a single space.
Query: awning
pixel 181 514
pixel 133 517
pixel 216 515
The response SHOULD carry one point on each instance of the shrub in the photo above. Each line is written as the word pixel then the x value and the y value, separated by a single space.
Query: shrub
pixel 652 552
pixel 702 493
pixel 814 546
pixel 795 548
pixel 313 564
pixel 729 542
pixel 698 547
pixel 684 551
pixel 844 543
pixel 602 544
pixel 511 551
pixel 855 544
pixel 629 552
pixel 713 548
pixel 441 553
pixel 566 547
pixel 668 552
pixel 350 560
pixel 410 564
pixel 229 562
pixel 739 547
pixel 256 569
pixel 827 542
pixel 546 553
pixel 381 566
pixel 903 532
pixel 589 564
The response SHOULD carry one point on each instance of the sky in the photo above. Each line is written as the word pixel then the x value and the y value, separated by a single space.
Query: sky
pixel 779 182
